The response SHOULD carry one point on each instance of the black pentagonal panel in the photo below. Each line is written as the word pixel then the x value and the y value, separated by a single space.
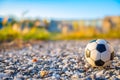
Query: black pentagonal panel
pixel 99 63
pixel 101 48
pixel 112 56
pixel 87 53
pixel 93 41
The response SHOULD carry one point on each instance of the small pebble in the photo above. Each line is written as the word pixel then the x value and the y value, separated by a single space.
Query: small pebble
pixel 55 60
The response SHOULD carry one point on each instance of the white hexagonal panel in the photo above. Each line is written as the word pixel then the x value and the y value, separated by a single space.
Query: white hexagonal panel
pixel 95 55
pixel 110 48
pixel 91 46
pixel 101 41
pixel 105 56
pixel 107 47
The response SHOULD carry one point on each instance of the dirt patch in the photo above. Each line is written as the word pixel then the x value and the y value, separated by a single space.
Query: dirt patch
pixel 17 44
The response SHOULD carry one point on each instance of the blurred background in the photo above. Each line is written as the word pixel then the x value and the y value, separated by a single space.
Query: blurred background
pixel 59 19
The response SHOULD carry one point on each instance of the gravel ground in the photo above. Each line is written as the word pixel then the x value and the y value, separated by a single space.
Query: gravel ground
pixel 55 60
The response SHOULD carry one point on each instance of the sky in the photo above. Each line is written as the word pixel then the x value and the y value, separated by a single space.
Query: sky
pixel 60 9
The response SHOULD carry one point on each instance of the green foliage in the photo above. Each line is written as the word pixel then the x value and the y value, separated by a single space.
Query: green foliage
pixel 8 34
pixel 37 34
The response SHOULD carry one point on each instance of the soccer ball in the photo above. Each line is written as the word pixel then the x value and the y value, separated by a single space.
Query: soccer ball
pixel 99 53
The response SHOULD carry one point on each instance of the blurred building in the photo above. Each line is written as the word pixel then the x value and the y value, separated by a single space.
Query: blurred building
pixel 1 25
pixel 39 23
pixel 65 27
pixel 60 26
pixel 54 26
pixel 110 23
pixel 26 23
pixel 105 25
pixel 99 25
pixel 16 27
pixel 82 25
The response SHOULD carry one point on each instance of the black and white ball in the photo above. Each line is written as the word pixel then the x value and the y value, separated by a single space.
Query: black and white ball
pixel 99 53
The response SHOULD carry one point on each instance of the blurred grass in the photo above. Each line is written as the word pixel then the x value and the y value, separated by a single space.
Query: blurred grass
pixel 89 34
pixel 37 34
pixel 8 34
